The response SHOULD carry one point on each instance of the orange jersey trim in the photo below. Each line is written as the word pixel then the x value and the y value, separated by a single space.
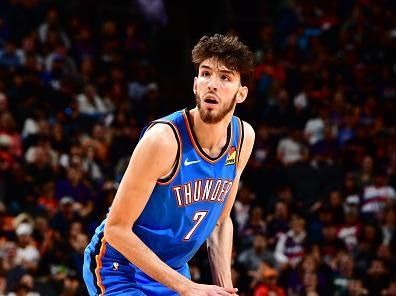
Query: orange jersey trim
pixel 98 259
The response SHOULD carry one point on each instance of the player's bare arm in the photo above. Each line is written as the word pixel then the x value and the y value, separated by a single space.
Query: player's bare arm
pixel 220 242
pixel 146 166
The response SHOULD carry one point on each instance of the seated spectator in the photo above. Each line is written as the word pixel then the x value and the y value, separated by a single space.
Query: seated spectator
pixel 390 290
pixel 78 244
pixel 99 140
pixel 350 230
pixel 255 224
pixel 364 176
pixel 336 206
pixel 75 187
pixel 290 247
pixel 356 288
pixel 310 285
pixel 54 76
pixel 242 206
pixel 27 254
pixel 90 164
pixel 278 114
pixel 44 236
pixel 47 198
pixel 251 258
pixel 291 148
pixel 52 23
pixel 370 238
pixel 46 153
pixel 388 224
pixel 25 286
pixel 10 135
pixel 278 222
pixel 344 272
pixel 297 281
pixel 40 170
pixel 265 283
pixel 72 157
pixel 64 217
pixel 91 105
pixel 8 56
pixel 314 128
pixel 377 277
pixel 60 52
pixel 326 150
pixel 376 196
pixel 330 244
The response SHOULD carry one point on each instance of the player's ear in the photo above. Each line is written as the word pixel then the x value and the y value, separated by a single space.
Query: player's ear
pixel 241 94
pixel 195 86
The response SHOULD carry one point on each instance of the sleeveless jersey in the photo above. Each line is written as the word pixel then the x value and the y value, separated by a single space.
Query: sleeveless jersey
pixel 184 208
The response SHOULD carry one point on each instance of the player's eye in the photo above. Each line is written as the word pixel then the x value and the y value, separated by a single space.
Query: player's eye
pixel 205 74
pixel 225 77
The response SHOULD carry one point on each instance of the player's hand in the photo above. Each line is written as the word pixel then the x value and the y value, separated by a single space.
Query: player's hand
pixel 208 290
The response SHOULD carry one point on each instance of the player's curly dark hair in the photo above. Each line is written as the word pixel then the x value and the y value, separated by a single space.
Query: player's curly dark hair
pixel 229 50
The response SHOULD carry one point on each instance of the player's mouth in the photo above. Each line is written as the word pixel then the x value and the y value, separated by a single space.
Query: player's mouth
pixel 211 101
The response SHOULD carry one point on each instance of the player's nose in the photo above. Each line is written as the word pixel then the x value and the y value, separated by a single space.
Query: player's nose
pixel 213 83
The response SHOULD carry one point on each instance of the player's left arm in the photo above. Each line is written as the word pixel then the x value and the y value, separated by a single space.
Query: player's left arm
pixel 219 243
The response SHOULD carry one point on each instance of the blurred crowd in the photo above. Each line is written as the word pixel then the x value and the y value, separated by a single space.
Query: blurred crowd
pixel 316 209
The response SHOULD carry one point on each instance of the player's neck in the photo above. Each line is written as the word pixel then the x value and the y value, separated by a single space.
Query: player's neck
pixel 211 137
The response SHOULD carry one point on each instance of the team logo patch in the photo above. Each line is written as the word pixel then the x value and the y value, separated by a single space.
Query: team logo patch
pixel 232 154
pixel 115 265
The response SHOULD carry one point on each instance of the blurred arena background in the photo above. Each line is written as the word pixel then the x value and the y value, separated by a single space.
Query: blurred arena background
pixel 315 213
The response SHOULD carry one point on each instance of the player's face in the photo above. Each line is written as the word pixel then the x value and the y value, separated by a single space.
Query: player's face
pixel 217 90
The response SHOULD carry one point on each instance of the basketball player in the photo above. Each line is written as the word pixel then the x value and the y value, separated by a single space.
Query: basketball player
pixel 179 188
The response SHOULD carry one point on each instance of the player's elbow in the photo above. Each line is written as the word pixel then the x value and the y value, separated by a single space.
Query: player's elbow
pixel 113 232
pixel 109 231
pixel 224 222
pixel 223 227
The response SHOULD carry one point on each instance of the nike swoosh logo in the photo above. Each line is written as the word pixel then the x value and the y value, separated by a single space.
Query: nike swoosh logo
pixel 187 163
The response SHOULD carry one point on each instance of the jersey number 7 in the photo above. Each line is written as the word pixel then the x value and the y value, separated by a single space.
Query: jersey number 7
pixel 198 218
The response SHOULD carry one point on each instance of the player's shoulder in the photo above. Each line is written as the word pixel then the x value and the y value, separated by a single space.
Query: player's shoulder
pixel 248 130
pixel 161 135
pixel 247 144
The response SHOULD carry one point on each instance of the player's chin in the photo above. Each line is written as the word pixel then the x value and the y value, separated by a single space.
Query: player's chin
pixel 210 119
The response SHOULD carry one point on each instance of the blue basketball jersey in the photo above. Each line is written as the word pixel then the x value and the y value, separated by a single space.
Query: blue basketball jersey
pixel 184 208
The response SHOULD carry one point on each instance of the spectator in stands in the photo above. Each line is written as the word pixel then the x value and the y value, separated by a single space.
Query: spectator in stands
pixel 265 282
pixel 376 196
pixel 51 24
pixel 356 288
pixel 9 58
pixel 377 277
pixel 344 272
pixel 90 104
pixel 290 246
pixel 278 222
pixel 10 135
pixel 291 148
pixel 390 290
pixel 243 206
pixel 251 257
pixel 40 170
pixel 74 186
pixel 27 254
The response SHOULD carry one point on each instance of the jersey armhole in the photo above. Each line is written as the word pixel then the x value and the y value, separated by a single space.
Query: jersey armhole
pixel 176 165
pixel 241 136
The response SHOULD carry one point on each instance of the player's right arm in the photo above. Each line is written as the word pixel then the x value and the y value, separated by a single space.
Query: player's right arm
pixel 153 158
